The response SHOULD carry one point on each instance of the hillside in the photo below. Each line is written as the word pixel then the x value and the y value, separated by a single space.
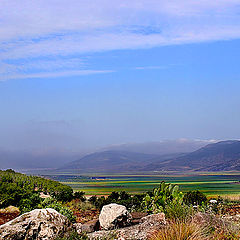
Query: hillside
pixel 114 161
pixel 221 156
pixel 163 147
pixel 109 161
pixel 23 191
pixel 37 160
pixel 132 156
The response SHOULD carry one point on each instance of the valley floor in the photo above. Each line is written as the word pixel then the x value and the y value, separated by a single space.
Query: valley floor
pixel 212 184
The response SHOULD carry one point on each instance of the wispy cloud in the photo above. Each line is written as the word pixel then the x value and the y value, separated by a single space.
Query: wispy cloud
pixel 150 67
pixel 53 74
pixel 59 29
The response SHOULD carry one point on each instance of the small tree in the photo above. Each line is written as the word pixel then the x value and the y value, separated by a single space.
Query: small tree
pixel 80 195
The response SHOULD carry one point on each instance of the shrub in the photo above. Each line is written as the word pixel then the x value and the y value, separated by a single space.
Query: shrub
pixel 178 211
pixel 124 195
pixel 93 199
pixel 113 197
pixel 62 193
pixel 132 203
pixel 78 205
pixel 100 202
pixel 161 197
pixel 52 203
pixel 80 195
pixel 194 198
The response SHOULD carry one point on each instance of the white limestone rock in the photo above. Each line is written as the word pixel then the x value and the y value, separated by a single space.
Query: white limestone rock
pixel 39 224
pixel 114 216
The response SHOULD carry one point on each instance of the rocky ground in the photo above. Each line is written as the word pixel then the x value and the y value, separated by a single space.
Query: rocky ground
pixel 114 220
pixel 84 216
pixel 44 224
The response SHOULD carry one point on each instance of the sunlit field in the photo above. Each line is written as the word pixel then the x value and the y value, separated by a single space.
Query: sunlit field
pixel 222 184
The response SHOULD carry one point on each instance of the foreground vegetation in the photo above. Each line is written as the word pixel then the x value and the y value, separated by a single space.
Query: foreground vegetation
pixel 189 215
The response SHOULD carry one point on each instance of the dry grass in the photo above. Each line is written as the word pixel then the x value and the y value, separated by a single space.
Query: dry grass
pixel 180 231
pixel 10 209
pixel 233 197
pixel 209 229
pixel 76 204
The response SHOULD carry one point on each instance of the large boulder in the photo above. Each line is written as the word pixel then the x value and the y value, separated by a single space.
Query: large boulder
pixel 114 216
pixel 39 224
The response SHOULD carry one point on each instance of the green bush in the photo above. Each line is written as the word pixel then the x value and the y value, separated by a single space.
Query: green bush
pixel 194 198
pixel 132 203
pixel 113 197
pixel 161 197
pixel 177 211
pixel 80 195
pixel 52 203
pixel 93 199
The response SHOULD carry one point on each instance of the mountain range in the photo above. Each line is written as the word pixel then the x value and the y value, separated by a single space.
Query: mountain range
pixel 220 156
pixel 179 155
pixel 55 158
pixel 115 161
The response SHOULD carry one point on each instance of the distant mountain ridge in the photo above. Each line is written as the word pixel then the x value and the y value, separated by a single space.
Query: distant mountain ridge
pixel 221 156
pixel 110 161
pixel 55 158
pixel 161 147
pixel 132 157
pixel 154 156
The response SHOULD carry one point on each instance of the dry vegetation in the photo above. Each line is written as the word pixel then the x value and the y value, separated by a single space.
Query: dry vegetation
pixel 180 230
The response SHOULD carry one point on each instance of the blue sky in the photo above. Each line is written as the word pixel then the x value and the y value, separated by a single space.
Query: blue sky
pixel 76 75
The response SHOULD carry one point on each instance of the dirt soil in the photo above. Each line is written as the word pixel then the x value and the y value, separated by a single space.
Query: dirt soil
pixel 87 215
pixel 6 217
pixel 232 210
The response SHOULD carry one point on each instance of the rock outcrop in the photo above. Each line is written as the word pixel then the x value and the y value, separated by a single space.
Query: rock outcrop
pixel 39 224
pixel 148 225
pixel 114 216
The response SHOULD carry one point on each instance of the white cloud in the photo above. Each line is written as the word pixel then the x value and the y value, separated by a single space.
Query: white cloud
pixel 39 29
pixel 53 74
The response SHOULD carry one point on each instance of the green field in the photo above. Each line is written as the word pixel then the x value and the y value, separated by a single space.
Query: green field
pixel 211 184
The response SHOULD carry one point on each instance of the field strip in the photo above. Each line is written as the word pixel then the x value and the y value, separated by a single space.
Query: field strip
pixel 147 182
